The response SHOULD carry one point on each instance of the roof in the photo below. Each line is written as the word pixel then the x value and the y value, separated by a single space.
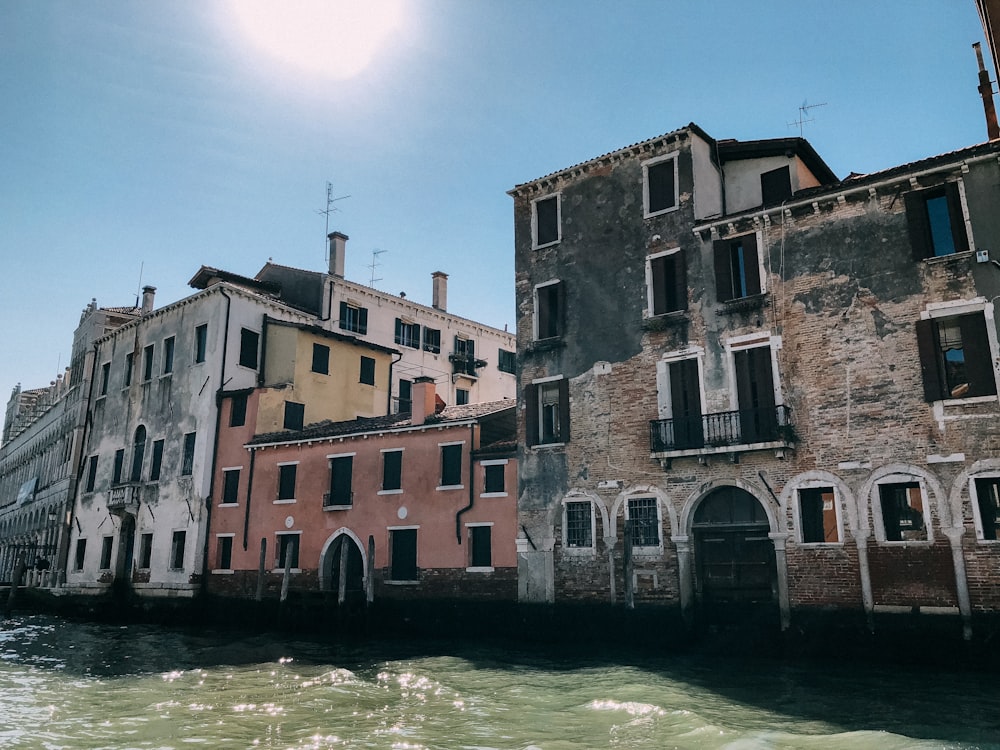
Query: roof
pixel 732 150
pixel 129 310
pixel 368 425
pixel 207 276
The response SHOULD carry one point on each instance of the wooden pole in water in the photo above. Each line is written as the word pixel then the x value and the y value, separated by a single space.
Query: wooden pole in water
pixel 370 572
pixel 288 572
pixel 15 581
pixel 342 583
pixel 260 569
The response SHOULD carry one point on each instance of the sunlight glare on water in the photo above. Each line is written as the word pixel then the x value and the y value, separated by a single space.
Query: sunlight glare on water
pixel 73 685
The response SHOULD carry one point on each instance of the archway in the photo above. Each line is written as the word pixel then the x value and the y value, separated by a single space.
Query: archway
pixel 344 569
pixel 126 549
pixel 734 555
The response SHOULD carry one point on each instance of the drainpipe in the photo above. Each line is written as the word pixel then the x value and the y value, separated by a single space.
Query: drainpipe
pixel 388 406
pixel 215 446
pixel 246 513
pixel 263 351
pixel 472 485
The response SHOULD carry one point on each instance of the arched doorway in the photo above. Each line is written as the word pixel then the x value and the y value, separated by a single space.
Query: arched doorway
pixel 734 555
pixel 344 568
pixel 126 550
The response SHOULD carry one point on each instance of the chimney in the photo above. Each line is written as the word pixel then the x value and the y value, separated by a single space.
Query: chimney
pixel 439 289
pixel 338 250
pixel 148 292
pixel 986 91
pixel 424 399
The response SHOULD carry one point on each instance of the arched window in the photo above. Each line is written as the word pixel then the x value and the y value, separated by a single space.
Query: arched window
pixel 138 453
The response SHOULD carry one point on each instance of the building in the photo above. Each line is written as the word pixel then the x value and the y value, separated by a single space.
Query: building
pixel 745 381
pixel 397 506
pixel 40 455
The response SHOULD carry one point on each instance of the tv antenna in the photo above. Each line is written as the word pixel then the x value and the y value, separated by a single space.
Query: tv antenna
pixel 330 208
pixel 803 114
pixel 373 265
pixel 138 289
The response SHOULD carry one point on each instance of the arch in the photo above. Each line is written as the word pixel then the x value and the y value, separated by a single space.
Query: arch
pixel 902 472
pixel 686 517
pixel 843 493
pixel 138 453
pixel 961 489
pixel 662 501
pixel 327 564
pixel 557 514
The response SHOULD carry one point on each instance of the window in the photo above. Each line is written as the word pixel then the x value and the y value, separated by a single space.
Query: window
pixel 286 481
pixel 367 376
pixel 407 334
pixel 288 551
pixel 643 522
pixel 902 512
pixel 145 550
pixel 681 425
pixel 392 470
pixel 294 415
pixel 353 319
pixel 737 268
pixel 238 410
pixel 451 465
pixel 493 477
pixel 187 460
pixel 321 359
pixel 81 554
pixel 463 359
pixel 546 221
pixel 936 221
pixel 200 342
pixel 138 453
pixel 230 486
pixel 758 412
pixel 403 554
pixel 249 343
pixel 107 543
pixel 177 549
pixel 461 396
pixel 156 461
pixel 224 553
pixel 147 362
pixel 129 362
pixel 547 412
pixel 91 474
pixel 507 361
pixel 116 476
pixel 481 547
pixel 168 355
pixel 105 377
pixel 987 491
pixel 405 403
pixel 955 358
pixel 666 282
pixel 775 186
pixel 432 340
pixel 818 516
pixel 341 477
pixel 549 310
pixel 659 182
pixel 579 524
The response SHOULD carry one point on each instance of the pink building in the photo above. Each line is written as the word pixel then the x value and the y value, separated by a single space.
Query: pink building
pixel 398 506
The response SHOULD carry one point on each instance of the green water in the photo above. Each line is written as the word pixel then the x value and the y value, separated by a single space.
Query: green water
pixel 72 685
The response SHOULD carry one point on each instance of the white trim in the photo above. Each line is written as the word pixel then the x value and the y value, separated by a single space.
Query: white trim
pixel 236 468
pixel 753 341
pixel 287 463
pixel 648 312
pixel 391 450
pixel 591 550
pixel 480 569
pixel 402 528
pixel 534 308
pixel 875 502
pixel 478 523
pixel 494 462
pixel 974 500
pixel 646 550
pixel 664 399
pixel 646 213
pixel 226 533
pixel 955 308
pixel 534 220
pixel 283 501
pixel 816 484
pixel 390 492
pixel 493 494
pixel 969 239
pixel 342 455
pixel 549 379
pixel 450 487
pixel 453 442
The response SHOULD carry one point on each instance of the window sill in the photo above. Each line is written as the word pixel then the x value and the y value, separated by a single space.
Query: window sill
pixel 663 321
pixel 906 543
pixel 282 570
pixel 223 572
pixel 965 401
pixel 820 545
pixel 547 244
pixel 450 487
pixel 389 492
pixel 662 211
pixel 480 569
pixel 580 551
pixel 336 507
pixel 493 494
pixel 402 583
pixel 547 446
pixel 745 304
pixel 545 345
pixel 953 257
pixel 228 505
pixel 284 501
pixel 647 551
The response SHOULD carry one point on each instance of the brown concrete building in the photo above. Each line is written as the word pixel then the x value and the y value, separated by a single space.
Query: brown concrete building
pixel 745 381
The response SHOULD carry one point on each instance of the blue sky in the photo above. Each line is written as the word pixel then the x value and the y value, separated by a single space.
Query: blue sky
pixel 139 141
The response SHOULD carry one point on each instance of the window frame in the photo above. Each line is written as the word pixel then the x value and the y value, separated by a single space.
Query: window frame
pixel 567 545
pixel 91 481
pixel 431 340
pixel 178 549
pixel 328 498
pixel 294 416
pixel 920 222
pixel 249 355
pixel 188 451
pixel 754 275
pixel 475 562
pixel 977 509
pixel 408 333
pixel 156 460
pixel 933 371
pixel 392 562
pixel 507 361
pixel 200 343
pixel 367 371
pixel 148 357
pixel 169 344
pixel 80 554
pixel 238 409
pixel 105 378
pixel 287 476
pixel 145 557
pixel 657 163
pixel 221 541
pixel 279 540
pixel 320 358
pixel 447 465
pixel 536 224
pixel 107 552
pixel 353 318
pixel 799 516
pixel 549 308
pixel 670 282
pixel 499 466
pixel 398 471
pixel 646 549
pixel 878 517
pixel 230 496
pixel 535 412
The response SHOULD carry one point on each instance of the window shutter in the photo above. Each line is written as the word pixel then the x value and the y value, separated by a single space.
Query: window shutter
pixel 958 233
pixel 399 330
pixel 751 258
pixel 531 414
pixel 658 272
pixel 679 270
pixel 363 320
pixel 918 225
pixel 564 410
pixel 978 362
pixel 723 275
pixel 343 314
pixel 560 308
pixel 927 348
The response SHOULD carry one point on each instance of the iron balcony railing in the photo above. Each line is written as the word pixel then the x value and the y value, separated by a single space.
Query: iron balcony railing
pixel 123 496
pixel 338 499
pixel 722 429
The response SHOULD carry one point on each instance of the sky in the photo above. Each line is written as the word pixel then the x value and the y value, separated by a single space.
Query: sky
pixel 141 140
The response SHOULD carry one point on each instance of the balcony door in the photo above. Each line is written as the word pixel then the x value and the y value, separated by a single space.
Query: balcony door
pixel 685 404
pixel 755 395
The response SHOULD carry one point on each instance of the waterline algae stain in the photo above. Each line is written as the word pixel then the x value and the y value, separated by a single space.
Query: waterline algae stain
pixel 80 685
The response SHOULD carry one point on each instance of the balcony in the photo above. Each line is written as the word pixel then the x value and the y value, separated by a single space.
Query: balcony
pixel 725 432
pixel 124 499
pixel 335 500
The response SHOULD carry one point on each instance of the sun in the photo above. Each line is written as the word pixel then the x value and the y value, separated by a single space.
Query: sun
pixel 332 38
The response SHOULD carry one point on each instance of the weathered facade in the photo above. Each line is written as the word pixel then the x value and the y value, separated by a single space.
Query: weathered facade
pixel 398 506
pixel 746 381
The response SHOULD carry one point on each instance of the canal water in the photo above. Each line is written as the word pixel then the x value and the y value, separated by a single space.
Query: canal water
pixel 77 685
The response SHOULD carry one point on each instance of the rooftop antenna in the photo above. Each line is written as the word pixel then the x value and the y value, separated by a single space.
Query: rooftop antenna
pixel 330 208
pixel 138 289
pixel 373 265
pixel 803 112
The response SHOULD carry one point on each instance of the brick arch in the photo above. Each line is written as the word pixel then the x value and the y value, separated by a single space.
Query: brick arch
pixel 342 531
pixel 662 499
pixel 849 501
pixel 904 471
pixel 958 494
pixel 693 500
pixel 556 511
